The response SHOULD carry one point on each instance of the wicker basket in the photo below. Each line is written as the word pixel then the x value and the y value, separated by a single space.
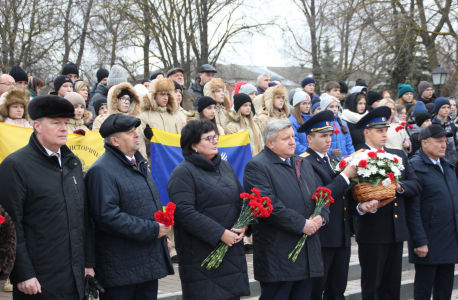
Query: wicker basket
pixel 364 191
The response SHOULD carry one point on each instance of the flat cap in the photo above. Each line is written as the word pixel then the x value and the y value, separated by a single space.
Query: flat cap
pixel 118 123
pixel 435 131
pixel 173 71
pixel 50 106
pixel 207 68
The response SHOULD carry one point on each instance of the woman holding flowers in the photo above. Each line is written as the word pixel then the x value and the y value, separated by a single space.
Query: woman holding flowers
pixel 206 192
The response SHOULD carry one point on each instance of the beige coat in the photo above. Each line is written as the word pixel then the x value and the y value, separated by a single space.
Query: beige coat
pixel 395 139
pixel 20 122
pixel 181 115
pixel 269 113
pixel 220 115
pixel 209 90
pixel 233 126
pixel 75 125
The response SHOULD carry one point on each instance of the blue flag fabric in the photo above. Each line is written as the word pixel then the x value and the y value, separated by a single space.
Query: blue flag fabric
pixel 166 155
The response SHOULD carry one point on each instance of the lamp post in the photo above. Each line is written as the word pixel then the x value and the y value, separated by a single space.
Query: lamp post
pixel 439 75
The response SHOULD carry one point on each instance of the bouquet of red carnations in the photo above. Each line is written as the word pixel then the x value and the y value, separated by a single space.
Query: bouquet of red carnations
pixel 254 206
pixel 322 198
pixel 167 217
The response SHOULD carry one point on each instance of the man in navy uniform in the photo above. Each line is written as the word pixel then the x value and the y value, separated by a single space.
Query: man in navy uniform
pixel 381 225
pixel 335 240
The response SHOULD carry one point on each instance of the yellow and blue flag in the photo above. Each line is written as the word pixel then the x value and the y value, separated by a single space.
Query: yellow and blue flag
pixel 166 155
pixel 87 148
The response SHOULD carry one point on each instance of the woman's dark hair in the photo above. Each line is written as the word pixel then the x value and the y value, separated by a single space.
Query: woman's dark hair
pixel 352 101
pixel 202 117
pixel 192 132
pixel 342 126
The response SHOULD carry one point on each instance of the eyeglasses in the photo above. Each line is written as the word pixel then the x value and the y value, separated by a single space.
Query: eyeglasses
pixel 211 138
pixel 9 83
pixel 124 99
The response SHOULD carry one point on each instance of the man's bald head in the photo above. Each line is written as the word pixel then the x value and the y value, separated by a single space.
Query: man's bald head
pixel 6 83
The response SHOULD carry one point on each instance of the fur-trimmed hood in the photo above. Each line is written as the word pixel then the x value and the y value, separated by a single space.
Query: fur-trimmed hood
pixel 15 95
pixel 270 95
pixel 112 99
pixel 158 86
pixel 232 116
pixel 192 115
pixel 212 86
pixel 87 116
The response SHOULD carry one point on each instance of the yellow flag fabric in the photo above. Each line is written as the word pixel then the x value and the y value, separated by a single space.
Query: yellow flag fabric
pixel 87 148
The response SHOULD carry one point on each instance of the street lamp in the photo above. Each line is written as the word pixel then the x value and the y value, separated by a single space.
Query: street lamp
pixel 439 75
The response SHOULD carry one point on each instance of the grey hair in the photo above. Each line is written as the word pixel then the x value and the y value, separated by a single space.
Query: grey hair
pixel 272 129
pixel 261 76
pixel 107 140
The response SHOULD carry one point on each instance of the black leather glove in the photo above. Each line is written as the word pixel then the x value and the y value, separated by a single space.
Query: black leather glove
pixel 148 132
pixel 92 287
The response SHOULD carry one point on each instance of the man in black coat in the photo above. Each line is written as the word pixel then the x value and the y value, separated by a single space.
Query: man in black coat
pixel 432 217
pixel 381 225
pixel 289 181
pixel 131 247
pixel 335 240
pixel 43 191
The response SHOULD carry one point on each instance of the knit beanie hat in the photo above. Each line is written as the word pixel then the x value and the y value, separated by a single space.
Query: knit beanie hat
pixel 326 100
pixel 102 73
pixel 70 68
pixel 423 86
pixel 205 102
pixel 441 101
pixel 373 97
pixel 429 108
pixel 247 89
pixel 123 93
pixel 238 85
pixel 307 80
pixel 140 89
pixel 271 84
pixel 116 76
pixel 343 87
pixel 315 106
pixel 145 80
pixel 404 88
pixel 299 97
pixel 75 98
pixel 60 80
pixel 317 100
pixel 18 74
pixel 177 86
pixel 239 100
pixel 421 118
pixel 361 82
pixel 419 107
pixel 155 75
pixel 99 102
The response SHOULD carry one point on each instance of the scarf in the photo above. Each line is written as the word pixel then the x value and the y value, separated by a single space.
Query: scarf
pixel 352 117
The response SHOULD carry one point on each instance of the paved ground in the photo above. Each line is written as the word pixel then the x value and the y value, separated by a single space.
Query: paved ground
pixel 171 284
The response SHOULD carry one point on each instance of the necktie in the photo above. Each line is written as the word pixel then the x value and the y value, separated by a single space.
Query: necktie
pixel 55 154
pixel 134 161
pixel 326 160
pixel 288 161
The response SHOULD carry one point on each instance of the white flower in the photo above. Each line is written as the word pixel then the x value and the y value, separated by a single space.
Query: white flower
pixel 386 182
pixel 366 173
pixel 382 172
pixel 372 169
pixel 396 172
pixel 380 163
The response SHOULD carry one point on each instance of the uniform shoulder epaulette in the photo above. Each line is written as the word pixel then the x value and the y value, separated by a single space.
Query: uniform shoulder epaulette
pixel 305 154
pixel 393 148
pixel 356 152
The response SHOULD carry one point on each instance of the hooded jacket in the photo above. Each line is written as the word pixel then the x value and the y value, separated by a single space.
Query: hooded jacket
pixel 351 116
pixel 300 137
pixel 74 124
pixel 181 115
pixel 221 108
pixel 233 126
pixel 16 95
pixel 100 93
pixel 112 103
pixel 269 113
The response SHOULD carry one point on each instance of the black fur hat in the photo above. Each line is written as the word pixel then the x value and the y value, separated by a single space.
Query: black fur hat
pixel 50 106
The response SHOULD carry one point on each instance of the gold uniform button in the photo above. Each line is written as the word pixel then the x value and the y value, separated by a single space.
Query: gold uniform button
pixel 345 208
pixel 344 219
pixel 395 204
pixel 343 197
pixel 395 216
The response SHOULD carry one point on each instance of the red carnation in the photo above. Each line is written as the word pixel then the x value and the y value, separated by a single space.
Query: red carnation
pixel 391 176
pixel 2 220
pixel 170 208
pixel 336 131
pixel 395 160
pixel 410 126
pixel 363 163
pixel 403 123
pixel 380 151
pixel 244 195
pixel 256 191
pixel 372 154
pixel 330 200
pixel 342 164
pixel 399 128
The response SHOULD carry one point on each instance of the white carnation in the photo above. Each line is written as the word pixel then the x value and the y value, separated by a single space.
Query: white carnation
pixel 372 169
pixel 367 173
pixel 386 182
pixel 382 172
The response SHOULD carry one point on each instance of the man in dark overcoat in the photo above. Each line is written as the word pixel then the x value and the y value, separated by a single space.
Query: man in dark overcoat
pixel 43 191
pixel 289 181
pixel 381 228
pixel 432 217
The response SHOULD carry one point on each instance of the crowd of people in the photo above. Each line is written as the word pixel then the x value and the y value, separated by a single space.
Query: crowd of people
pixel 71 226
